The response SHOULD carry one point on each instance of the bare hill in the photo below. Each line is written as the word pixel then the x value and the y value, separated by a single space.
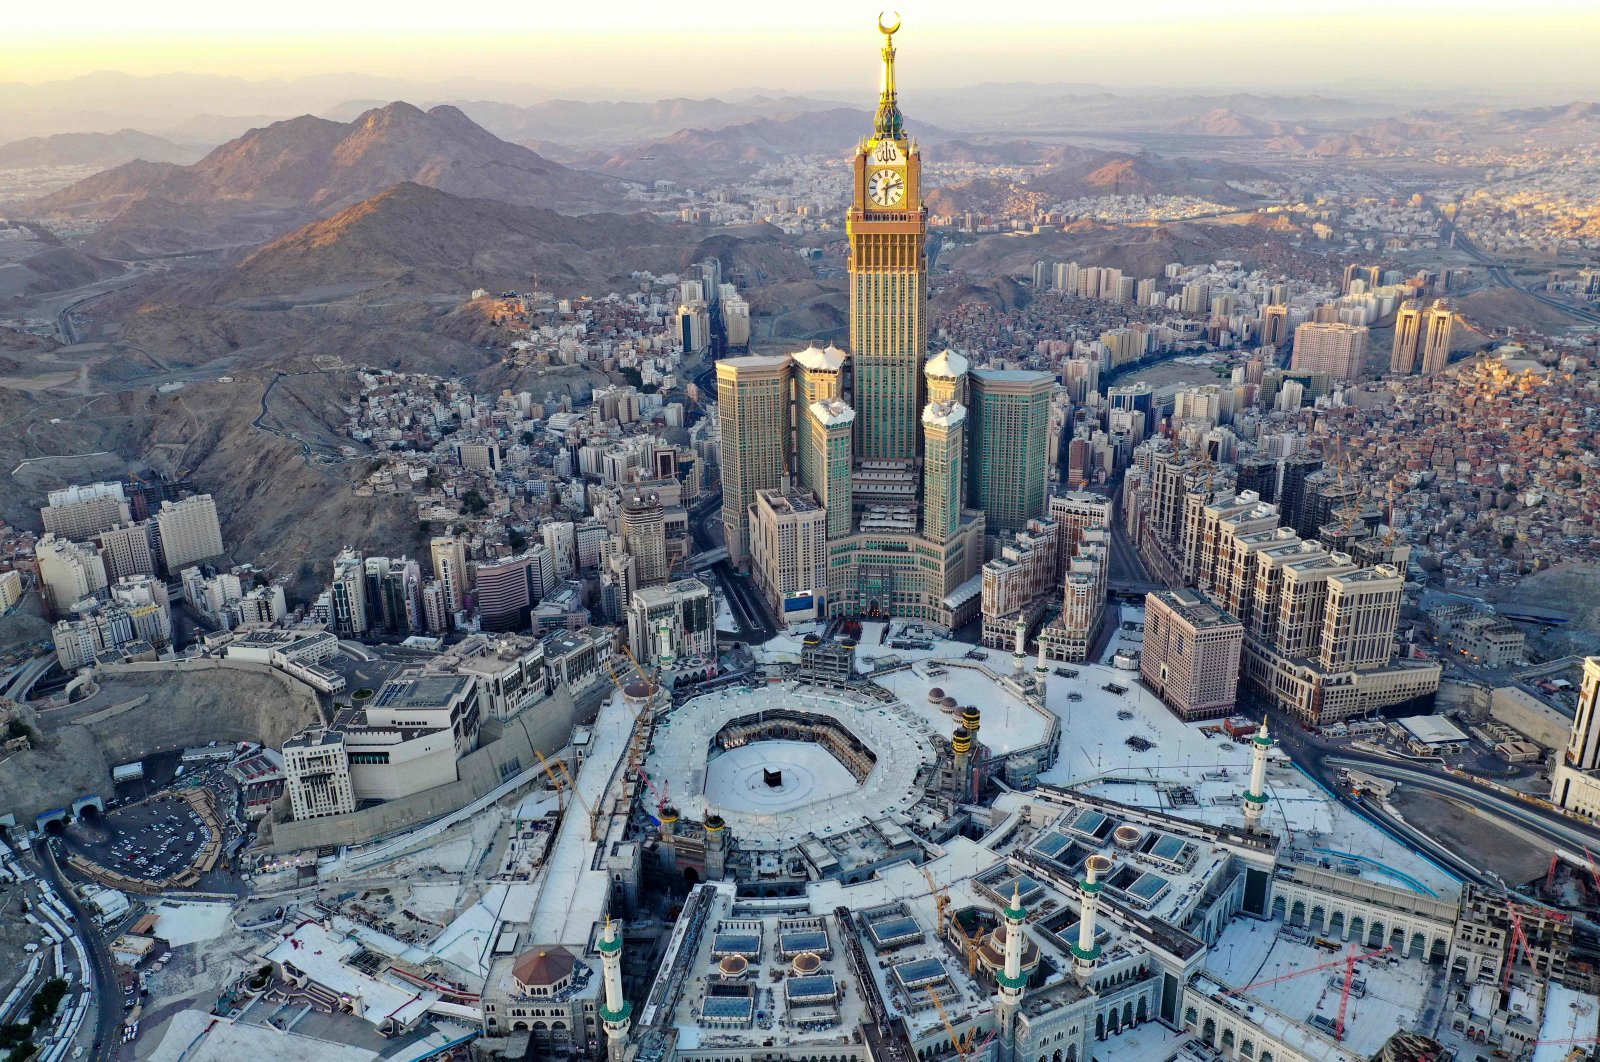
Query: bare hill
pixel 312 166
pixel 423 237
pixel 1137 251
pixel 93 149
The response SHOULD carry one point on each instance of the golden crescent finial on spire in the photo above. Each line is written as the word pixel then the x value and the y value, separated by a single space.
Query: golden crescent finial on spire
pixel 888 31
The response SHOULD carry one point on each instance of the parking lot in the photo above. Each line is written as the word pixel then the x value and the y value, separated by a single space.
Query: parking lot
pixel 151 841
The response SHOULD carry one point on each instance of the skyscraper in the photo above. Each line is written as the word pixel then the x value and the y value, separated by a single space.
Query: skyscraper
pixel 943 468
pixel 349 592
pixel 1009 426
pixel 753 412
pixel 189 532
pixel 644 532
pixel 449 556
pixel 1407 338
pixel 1336 349
pixel 887 228
pixel 1436 347
pixel 825 460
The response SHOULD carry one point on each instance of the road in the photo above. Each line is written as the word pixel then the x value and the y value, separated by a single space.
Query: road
pixel 756 625
pixel 1502 276
pixel 108 996
pixel 1323 760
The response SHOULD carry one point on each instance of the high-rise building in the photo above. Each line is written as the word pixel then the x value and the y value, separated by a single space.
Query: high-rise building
pixel 943 468
pixel 1009 427
pixel 561 539
pixel 189 532
pixel 736 320
pixel 435 607
pixel 79 512
pixel 789 554
pixel 825 460
pixel 504 592
pixel 316 772
pixel 1190 657
pixel 1575 782
pixel 819 374
pixel 1407 338
pixel 682 610
pixel 1274 325
pixel 349 591
pixel 1436 345
pixel 10 590
pixel 449 556
pixel 1336 349
pixel 887 229
pixel 753 412
pixel 68 572
pixel 125 549
pixel 643 526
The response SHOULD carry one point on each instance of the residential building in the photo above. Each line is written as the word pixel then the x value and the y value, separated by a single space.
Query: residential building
pixel 753 412
pixel 1190 657
pixel 189 532
pixel 789 553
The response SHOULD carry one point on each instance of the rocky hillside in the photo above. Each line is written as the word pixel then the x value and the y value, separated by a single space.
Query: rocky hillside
pixel 92 149
pixel 424 238
pixel 307 167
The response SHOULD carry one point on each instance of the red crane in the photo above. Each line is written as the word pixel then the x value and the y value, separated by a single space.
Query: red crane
pixel 1349 964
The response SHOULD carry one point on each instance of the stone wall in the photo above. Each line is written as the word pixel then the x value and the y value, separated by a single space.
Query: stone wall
pixel 147 707
pixel 546 727
pixel 1527 714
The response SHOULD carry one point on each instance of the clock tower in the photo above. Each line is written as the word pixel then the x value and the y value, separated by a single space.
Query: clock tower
pixel 887 227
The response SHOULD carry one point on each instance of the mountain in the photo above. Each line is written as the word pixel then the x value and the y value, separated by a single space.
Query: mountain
pixel 693 153
pixel 1091 173
pixel 592 126
pixel 422 238
pixel 93 149
pixel 312 165
pixel 1224 121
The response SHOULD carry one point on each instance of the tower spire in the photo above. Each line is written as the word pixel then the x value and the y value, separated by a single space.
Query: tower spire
pixel 888 124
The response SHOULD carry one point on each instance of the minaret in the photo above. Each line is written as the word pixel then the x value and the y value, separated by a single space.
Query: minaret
pixel 1255 798
pixel 615 1012
pixel 961 747
pixel 1020 652
pixel 1040 667
pixel 664 651
pixel 1010 978
pixel 1085 953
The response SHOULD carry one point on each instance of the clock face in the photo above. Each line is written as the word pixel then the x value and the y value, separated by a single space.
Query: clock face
pixel 886 187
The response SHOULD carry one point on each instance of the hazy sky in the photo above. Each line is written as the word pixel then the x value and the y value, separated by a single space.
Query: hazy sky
pixel 626 48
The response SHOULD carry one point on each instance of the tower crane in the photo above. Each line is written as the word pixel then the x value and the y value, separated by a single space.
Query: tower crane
pixel 1347 961
pixel 962 1044
pixel 941 898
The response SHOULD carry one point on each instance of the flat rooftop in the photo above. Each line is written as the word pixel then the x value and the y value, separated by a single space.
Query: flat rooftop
pixel 425 691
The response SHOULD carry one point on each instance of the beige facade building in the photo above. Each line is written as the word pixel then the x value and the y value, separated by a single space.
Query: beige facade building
pixel 1336 349
pixel 1436 345
pixel 1575 782
pixel 1191 654
pixel 68 572
pixel 789 553
pixel 317 775
pixel 449 556
pixel 79 512
pixel 1407 338
pixel 753 405
pixel 644 535
pixel 126 550
pixel 189 532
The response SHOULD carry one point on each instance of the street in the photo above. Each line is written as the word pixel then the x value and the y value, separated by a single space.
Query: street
pixel 107 1042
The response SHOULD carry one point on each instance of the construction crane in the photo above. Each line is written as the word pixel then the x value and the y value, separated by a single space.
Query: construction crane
pixel 963 1045
pixel 1519 945
pixel 1593 871
pixel 562 776
pixel 555 780
pixel 1349 964
pixel 941 898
